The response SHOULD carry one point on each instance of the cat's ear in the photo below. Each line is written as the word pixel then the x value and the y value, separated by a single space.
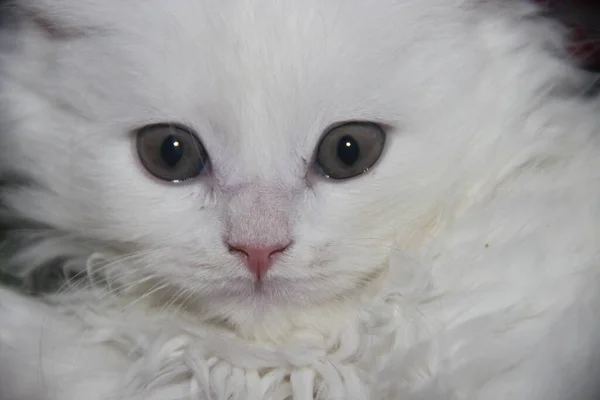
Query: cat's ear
pixel 66 18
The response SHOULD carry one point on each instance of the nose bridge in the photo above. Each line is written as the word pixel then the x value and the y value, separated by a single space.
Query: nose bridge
pixel 259 215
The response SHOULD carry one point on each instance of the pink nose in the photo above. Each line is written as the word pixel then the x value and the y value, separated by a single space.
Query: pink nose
pixel 258 259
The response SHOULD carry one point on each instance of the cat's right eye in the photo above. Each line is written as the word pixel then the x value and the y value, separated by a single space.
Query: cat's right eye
pixel 171 152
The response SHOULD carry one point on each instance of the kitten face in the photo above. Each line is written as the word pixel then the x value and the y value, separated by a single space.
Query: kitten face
pixel 258 83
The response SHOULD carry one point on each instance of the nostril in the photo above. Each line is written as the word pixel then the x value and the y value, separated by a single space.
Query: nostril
pixel 237 249
pixel 247 250
pixel 279 249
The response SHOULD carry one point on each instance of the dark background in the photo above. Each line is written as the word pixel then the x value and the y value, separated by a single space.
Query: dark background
pixel 583 19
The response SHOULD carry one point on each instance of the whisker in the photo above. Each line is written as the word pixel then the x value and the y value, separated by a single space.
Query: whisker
pixel 178 294
pixel 156 288
pixel 183 301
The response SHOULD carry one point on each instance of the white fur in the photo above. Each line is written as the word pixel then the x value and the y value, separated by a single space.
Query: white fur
pixel 464 265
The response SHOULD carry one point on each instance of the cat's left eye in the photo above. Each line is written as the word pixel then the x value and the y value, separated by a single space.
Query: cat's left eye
pixel 349 149
pixel 171 152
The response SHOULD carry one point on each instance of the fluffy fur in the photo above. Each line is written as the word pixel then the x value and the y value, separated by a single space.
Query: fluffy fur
pixel 464 265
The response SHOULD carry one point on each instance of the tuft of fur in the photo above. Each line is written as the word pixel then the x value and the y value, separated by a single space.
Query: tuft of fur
pixel 464 265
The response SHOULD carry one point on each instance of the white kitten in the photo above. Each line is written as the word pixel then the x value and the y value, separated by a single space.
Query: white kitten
pixel 251 199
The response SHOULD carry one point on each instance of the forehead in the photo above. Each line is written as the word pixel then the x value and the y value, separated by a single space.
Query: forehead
pixel 246 55
pixel 242 49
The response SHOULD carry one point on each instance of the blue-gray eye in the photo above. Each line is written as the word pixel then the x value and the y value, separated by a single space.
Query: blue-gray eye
pixel 350 149
pixel 171 152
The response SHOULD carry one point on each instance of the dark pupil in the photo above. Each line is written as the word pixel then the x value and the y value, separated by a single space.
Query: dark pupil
pixel 171 150
pixel 348 150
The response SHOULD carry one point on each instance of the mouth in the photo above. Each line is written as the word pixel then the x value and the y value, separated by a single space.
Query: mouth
pixel 259 286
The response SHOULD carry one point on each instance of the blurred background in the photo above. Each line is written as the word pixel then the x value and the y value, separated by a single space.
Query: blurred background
pixel 583 19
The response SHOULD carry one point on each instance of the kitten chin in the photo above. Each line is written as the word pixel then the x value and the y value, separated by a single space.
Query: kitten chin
pixel 276 322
